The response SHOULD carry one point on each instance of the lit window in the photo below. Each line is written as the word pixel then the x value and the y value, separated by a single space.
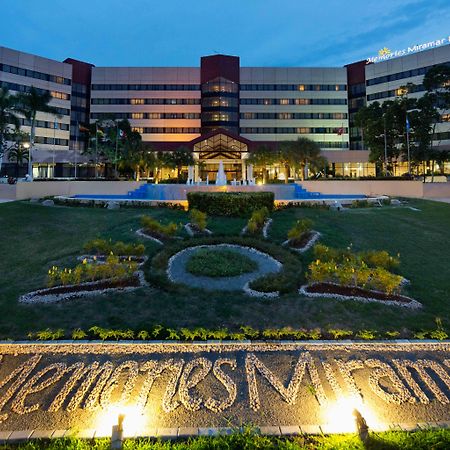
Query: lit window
pixel 137 115
pixel 401 91
pixel 137 101
pixel 138 129
pixel 301 87
pixel 445 117
pixel 284 101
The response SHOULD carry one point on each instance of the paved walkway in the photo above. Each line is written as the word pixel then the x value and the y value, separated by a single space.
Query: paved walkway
pixel 178 274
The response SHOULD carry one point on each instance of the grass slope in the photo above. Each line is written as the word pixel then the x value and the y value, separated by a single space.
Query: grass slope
pixel 33 238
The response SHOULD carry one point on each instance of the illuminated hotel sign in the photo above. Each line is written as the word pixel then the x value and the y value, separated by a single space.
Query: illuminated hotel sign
pixel 159 386
pixel 385 53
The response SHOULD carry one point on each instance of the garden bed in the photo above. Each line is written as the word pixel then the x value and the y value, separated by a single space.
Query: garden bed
pixel 193 231
pixel 59 293
pixel 155 237
pixel 340 292
pixel 305 243
pixel 101 259
pixel 264 230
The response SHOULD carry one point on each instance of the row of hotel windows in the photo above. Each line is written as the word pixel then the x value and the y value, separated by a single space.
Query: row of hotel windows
pixel 263 130
pixel 290 116
pixel 293 87
pixel 396 92
pixel 219 102
pixel 293 101
pixel 145 87
pixel 34 74
pixel 145 101
pixel 293 130
pixel 23 88
pixel 50 141
pixel 196 87
pixel 99 116
pixel 45 124
pixel 401 75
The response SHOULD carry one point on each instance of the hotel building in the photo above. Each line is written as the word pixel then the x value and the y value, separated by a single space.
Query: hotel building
pixel 220 110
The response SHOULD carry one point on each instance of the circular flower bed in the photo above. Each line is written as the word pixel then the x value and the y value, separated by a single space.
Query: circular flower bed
pixel 264 264
pixel 220 262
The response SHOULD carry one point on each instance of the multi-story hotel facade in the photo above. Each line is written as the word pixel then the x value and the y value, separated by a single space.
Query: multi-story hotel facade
pixel 220 110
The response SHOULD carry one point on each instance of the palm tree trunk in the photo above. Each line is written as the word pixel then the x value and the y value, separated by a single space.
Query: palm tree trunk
pixel 264 175
pixel 32 135
pixel 286 173
pixel 138 173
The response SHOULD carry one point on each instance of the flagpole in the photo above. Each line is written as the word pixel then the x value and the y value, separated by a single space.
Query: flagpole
pixel 77 130
pixel 96 148
pixel 407 144
pixel 54 145
pixel 117 146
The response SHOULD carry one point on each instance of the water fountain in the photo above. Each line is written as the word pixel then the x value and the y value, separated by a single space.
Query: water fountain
pixel 221 178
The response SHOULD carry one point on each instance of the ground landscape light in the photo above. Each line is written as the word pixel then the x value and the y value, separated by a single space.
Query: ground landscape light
pixel 132 419
pixel 349 415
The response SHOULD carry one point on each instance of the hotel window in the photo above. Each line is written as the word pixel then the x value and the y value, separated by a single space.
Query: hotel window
pixel 401 91
pixel 137 115
pixel 303 130
pixel 445 117
pixel 248 115
pixel 137 101
pixel 302 101
pixel 285 116
pixel 138 129
pixel 301 87
pixel 60 95
pixel 284 101
pixel 267 101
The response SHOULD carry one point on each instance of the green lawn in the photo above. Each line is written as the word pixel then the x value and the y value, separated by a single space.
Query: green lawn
pixel 33 238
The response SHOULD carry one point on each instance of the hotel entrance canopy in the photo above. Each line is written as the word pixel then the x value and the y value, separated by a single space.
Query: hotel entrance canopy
pixel 220 144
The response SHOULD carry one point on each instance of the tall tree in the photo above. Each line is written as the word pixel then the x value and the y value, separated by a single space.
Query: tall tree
pixel 182 156
pixel 29 104
pixel 17 152
pixel 9 122
pixel 299 154
pixel 262 157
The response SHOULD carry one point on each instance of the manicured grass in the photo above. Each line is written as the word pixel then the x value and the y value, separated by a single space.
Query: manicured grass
pixel 419 440
pixel 33 238
pixel 219 263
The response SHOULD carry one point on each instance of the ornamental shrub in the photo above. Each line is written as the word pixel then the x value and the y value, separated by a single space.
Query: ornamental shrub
pixel 381 258
pixel 104 247
pixel 151 225
pixel 198 219
pixel 230 203
pixel 257 220
pixel 299 230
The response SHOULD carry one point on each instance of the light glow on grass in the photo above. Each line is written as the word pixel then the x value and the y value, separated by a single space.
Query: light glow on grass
pixel 134 423
pixel 339 417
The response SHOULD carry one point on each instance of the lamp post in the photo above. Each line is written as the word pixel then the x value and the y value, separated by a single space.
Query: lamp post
pixel 407 138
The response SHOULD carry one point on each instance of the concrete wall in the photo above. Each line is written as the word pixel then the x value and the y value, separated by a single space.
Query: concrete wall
pixel 376 187
pixel 22 191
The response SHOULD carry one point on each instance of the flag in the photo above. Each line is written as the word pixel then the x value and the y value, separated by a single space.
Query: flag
pixel 83 129
pixel 408 127
pixel 340 131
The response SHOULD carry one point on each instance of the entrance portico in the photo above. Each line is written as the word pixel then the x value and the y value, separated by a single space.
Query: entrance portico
pixel 220 145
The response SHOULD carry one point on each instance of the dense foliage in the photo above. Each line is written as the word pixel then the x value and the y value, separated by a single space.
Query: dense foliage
pixel 152 226
pixel 257 220
pixel 230 203
pixel 104 247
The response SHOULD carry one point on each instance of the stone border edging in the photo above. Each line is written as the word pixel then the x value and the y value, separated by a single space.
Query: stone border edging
pixel 35 297
pixel 191 232
pixel 413 304
pixel 249 291
pixel 315 235
pixel 259 253
pixel 141 233
pixel 21 436
pixel 264 230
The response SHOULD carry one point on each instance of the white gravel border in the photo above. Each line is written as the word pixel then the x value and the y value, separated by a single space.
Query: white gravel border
pixel 414 304
pixel 37 297
pixel 190 231
pixel 141 233
pixel 264 230
pixel 312 240
pixel 252 293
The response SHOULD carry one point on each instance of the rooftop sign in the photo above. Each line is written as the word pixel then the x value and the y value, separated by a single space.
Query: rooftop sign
pixel 385 53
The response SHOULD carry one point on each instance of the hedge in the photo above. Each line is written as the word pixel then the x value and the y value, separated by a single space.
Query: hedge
pixel 230 203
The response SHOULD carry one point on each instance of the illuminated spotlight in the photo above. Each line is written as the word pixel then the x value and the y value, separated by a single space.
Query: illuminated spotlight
pixel 130 419
pixel 342 416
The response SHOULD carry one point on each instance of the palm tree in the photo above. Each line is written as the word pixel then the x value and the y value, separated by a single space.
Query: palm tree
pixel 8 119
pixel 182 156
pixel 29 104
pixel 17 152
pixel 300 154
pixel 262 156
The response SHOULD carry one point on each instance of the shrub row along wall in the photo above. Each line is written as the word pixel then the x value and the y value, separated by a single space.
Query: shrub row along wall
pixel 230 203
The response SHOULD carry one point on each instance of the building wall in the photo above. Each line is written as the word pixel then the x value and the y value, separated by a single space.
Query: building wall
pixel 174 115
pixel 19 71
pixel 385 79
pixel 295 103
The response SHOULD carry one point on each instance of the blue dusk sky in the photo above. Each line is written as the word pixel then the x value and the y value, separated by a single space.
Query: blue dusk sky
pixel 261 32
